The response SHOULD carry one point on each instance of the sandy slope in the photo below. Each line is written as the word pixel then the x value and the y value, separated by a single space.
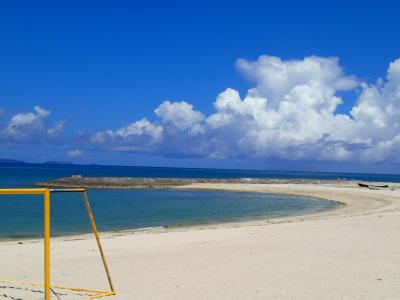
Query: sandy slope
pixel 349 253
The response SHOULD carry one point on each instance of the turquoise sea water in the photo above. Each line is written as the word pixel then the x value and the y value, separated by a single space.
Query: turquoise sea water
pixel 21 216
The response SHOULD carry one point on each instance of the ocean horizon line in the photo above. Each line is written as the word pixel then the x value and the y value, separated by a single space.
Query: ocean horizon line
pixel 94 165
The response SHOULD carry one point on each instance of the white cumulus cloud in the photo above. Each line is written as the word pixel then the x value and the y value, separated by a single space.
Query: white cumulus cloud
pixel 30 127
pixel 290 113
pixel 181 114
pixel 138 136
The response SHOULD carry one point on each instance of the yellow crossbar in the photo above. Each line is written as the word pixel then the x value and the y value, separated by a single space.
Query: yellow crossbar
pixel 23 191
pixel 46 214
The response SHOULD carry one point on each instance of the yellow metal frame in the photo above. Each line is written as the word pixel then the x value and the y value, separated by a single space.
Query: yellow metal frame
pixel 46 215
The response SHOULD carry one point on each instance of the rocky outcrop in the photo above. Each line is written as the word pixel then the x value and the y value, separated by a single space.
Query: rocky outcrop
pixel 141 182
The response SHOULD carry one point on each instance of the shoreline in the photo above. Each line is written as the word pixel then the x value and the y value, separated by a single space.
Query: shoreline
pixel 346 206
pixel 189 226
pixel 373 203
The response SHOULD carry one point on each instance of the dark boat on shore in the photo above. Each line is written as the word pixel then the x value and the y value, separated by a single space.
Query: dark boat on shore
pixel 372 186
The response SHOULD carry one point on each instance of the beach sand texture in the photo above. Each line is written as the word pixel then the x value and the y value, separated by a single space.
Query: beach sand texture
pixel 352 252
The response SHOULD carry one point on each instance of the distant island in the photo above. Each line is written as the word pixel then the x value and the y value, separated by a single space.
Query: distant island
pixel 54 162
pixel 11 161
pixel 51 162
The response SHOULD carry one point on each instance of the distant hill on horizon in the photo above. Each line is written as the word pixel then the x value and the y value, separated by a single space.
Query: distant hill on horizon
pixel 54 162
pixel 51 162
pixel 11 161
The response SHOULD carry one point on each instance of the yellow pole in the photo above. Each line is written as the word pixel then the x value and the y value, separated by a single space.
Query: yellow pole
pixel 96 234
pixel 47 244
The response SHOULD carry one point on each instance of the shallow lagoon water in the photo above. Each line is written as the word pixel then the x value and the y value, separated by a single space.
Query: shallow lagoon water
pixel 21 216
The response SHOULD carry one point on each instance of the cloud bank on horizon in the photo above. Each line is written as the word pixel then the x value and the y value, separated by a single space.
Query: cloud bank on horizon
pixel 290 114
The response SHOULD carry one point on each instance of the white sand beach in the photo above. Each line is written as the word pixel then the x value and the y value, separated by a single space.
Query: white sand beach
pixel 352 252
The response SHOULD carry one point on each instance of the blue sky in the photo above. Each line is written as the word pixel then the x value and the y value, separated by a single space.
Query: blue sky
pixel 101 65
